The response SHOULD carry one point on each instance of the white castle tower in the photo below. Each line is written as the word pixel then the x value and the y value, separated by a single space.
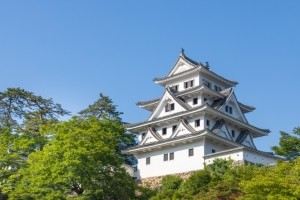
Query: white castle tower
pixel 196 120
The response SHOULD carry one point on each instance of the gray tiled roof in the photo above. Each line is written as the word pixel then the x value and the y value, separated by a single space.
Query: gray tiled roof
pixel 179 101
pixel 176 94
pixel 168 139
pixel 194 109
pixel 197 65
pixel 155 134
pixel 176 75
pixel 241 138
pixel 142 103
pixel 164 117
pixel 217 104
pixel 187 125
pixel 217 127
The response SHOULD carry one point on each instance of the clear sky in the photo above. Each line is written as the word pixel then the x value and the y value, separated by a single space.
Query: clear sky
pixel 73 50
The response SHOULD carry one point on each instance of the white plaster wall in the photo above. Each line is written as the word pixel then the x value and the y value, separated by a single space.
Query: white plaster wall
pixel 181 163
pixel 191 122
pixel 211 123
pixel 258 158
pixel 180 82
pixel 182 67
pixel 177 108
pixel 190 101
pixel 224 133
pixel 236 156
pixel 235 112
pixel 209 145
pixel 140 136
pixel 244 155
pixel 169 130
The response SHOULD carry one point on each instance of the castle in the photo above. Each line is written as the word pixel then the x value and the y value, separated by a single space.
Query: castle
pixel 196 120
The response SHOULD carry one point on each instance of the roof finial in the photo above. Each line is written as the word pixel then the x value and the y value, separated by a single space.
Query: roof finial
pixel 207 65
pixel 182 52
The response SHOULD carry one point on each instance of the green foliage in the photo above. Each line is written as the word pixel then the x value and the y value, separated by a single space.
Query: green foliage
pixel 278 182
pixel 22 114
pixel 289 145
pixel 197 182
pixel 103 108
pixel 80 162
pixel 219 167
pixel 227 186
pixel 169 186
pixel 23 111
pixel 145 193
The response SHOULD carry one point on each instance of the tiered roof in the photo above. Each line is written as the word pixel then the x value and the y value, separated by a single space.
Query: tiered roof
pixel 219 100
pixel 195 67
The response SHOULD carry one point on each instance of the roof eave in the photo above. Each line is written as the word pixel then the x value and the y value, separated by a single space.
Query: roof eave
pixel 165 80
pixel 229 83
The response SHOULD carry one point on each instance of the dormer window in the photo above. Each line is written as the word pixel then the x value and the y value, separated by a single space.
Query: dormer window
pixel 174 88
pixel 143 135
pixel 207 123
pixel 164 131
pixel 233 133
pixel 197 122
pixel 228 109
pixel 174 128
pixel 191 83
pixel 218 88
pixel 148 161
pixel 169 107
pixel 207 83
pixel 188 84
pixel 195 101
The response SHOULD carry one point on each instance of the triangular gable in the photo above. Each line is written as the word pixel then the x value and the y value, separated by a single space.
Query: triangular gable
pixel 182 129
pixel 168 98
pixel 182 64
pixel 220 129
pixel 151 136
pixel 248 141
pixel 232 102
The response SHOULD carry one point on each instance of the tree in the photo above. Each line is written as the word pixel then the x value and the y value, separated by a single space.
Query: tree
pixel 170 185
pixel 279 182
pixel 103 108
pixel 9 162
pixel 289 145
pixel 227 186
pixel 219 167
pixel 80 162
pixel 22 113
pixel 197 182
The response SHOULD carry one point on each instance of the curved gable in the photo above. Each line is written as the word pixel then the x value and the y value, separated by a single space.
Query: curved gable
pixel 220 128
pixel 182 129
pixel 231 107
pixel 182 64
pixel 168 105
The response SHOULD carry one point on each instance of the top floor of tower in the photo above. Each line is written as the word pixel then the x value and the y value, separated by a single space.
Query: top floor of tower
pixel 187 73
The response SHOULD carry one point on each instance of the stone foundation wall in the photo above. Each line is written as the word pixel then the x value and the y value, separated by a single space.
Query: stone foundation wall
pixel 155 182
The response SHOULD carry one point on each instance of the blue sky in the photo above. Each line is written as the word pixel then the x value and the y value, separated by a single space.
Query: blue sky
pixel 73 50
